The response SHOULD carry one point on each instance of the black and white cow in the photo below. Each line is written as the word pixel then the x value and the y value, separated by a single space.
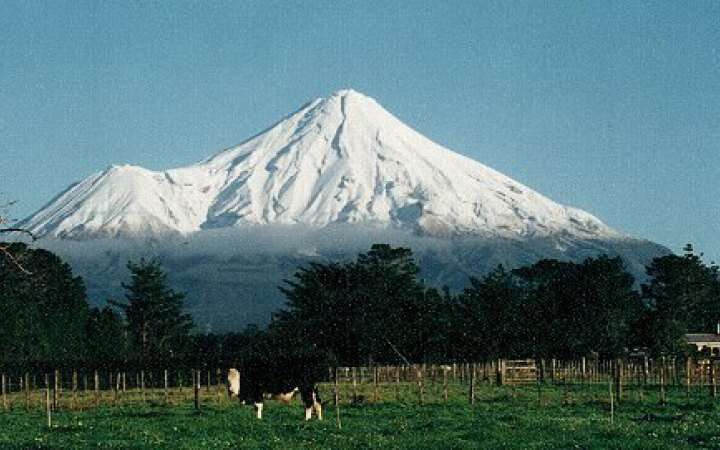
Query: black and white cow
pixel 251 387
pixel 279 364
pixel 253 382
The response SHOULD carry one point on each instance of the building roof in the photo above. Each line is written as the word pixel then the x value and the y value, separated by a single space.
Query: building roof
pixel 702 337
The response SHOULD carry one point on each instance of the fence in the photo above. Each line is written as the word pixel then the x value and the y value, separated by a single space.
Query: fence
pixel 80 389
pixel 353 383
pixel 422 383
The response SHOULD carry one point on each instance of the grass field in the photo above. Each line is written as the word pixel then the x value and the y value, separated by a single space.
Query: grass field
pixel 503 417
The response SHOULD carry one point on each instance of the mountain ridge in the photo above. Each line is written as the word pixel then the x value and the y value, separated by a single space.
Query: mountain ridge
pixel 339 159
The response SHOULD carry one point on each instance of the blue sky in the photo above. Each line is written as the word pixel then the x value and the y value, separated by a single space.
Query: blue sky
pixel 613 106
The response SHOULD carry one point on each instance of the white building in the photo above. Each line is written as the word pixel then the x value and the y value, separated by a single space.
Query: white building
pixel 703 341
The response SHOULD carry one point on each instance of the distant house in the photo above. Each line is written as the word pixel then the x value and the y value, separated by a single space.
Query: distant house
pixel 702 341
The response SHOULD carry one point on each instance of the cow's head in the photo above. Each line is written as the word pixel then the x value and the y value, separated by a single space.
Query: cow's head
pixel 233 385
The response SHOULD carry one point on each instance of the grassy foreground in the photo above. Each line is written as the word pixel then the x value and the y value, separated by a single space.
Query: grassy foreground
pixel 505 417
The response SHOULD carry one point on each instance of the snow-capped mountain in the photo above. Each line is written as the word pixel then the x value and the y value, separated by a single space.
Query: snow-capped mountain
pixel 341 159
pixel 323 184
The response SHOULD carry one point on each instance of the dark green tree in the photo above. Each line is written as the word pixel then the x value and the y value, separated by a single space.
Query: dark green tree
pixel 682 296
pixel 492 318
pixel 158 327
pixel 372 309
pixel 610 305
pixel 43 309
pixel 576 309
pixel 106 338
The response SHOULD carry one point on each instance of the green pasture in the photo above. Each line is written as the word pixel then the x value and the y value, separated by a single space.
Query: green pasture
pixel 502 417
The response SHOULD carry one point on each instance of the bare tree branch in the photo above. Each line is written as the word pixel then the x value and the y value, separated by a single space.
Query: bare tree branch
pixel 5 249
pixel 18 230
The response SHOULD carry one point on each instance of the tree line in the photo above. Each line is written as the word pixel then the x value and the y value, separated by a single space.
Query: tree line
pixel 374 309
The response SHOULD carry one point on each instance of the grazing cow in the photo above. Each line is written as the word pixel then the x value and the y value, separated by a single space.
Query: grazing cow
pixel 256 385
pixel 233 387
pixel 279 364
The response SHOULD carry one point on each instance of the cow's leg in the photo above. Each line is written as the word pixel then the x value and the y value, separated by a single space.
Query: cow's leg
pixel 318 410
pixel 253 396
pixel 317 405
pixel 308 399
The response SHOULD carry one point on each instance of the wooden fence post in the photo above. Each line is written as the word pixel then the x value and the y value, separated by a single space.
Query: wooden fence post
pixel 713 383
pixel 74 389
pixel 618 375
pixel 218 375
pixel 501 372
pixel 471 394
pixel 641 383
pixel 112 387
pixel 354 384
pixel 445 383
pixel 662 380
pixel 142 384
pixel 20 383
pixel 60 387
pixel 56 379
pixel 612 404
pixel 375 384
pixel 397 383
pixel 4 393
pixel 47 400
pixel 196 389
pixel 97 388
pixel 538 380
pixel 566 396
pixel 336 394
pixel 688 375
pixel 645 369
pixel 27 391
pixel 421 387
pixel 165 386
pixel 336 387
pixel 118 385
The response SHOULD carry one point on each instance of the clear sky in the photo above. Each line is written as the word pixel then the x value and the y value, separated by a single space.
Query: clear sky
pixel 610 106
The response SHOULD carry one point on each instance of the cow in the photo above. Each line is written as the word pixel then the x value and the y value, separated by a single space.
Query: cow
pixel 279 363
pixel 256 385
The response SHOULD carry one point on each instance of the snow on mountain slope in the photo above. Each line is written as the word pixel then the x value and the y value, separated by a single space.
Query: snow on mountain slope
pixel 122 200
pixel 341 159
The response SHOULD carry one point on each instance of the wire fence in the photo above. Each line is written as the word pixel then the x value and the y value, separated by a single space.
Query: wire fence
pixel 78 389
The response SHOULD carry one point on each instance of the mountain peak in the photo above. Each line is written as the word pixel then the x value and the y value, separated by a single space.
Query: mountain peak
pixel 350 99
pixel 340 159
pixel 351 93
pixel 347 92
